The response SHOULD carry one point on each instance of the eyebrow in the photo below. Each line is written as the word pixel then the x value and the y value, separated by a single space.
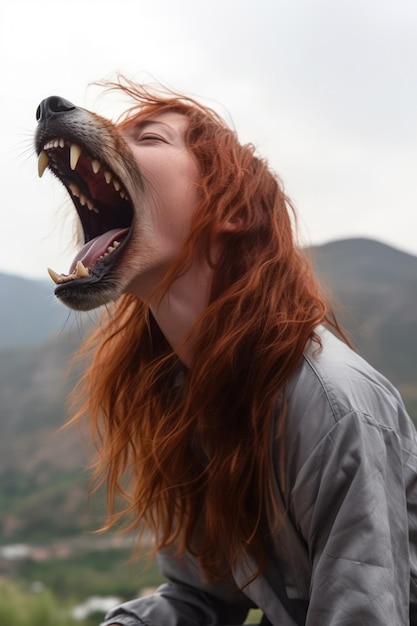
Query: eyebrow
pixel 151 122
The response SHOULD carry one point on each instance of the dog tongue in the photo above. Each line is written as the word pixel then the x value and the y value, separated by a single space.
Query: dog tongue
pixel 95 248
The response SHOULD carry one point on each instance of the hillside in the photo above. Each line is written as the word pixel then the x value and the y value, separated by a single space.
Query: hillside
pixel 43 489
pixel 374 291
pixel 29 313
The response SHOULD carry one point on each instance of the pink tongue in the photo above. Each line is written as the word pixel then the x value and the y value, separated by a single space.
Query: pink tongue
pixel 95 248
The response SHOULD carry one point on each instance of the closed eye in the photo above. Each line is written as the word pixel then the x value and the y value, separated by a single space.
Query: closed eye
pixel 151 137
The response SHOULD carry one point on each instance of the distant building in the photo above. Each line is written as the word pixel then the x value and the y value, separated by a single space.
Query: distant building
pixel 15 551
pixel 94 604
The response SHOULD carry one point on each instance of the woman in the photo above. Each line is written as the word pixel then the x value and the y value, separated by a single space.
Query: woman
pixel 274 467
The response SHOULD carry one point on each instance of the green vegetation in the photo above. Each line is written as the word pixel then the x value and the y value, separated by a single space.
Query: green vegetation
pixel 43 593
pixel 18 608
pixel 63 583
pixel 101 572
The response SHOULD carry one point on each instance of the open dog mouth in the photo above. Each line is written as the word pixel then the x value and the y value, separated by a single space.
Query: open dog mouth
pixel 102 203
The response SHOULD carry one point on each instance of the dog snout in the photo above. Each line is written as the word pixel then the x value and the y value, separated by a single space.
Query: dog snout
pixel 53 106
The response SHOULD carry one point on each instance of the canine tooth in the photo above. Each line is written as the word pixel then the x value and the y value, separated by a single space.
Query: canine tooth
pixel 55 277
pixel 95 166
pixel 43 161
pixel 75 153
pixel 80 270
pixel 108 176
pixel 75 190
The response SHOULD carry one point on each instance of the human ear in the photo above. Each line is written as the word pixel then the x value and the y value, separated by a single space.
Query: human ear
pixel 232 226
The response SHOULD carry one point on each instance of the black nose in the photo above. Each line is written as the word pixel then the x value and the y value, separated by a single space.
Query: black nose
pixel 52 106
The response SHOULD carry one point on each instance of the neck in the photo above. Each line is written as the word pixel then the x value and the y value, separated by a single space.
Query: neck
pixel 178 309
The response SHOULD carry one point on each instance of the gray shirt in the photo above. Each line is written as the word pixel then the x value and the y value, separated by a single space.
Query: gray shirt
pixel 348 543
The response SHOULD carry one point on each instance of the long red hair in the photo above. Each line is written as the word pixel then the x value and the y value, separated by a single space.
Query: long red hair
pixel 188 451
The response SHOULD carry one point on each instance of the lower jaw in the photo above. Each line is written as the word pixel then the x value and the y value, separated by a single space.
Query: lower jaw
pixel 90 254
pixel 87 295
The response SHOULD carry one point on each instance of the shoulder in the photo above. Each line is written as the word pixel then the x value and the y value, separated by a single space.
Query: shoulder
pixel 333 386
pixel 334 378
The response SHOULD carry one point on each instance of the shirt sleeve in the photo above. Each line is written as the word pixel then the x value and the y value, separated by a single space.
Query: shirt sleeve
pixel 350 504
pixel 185 600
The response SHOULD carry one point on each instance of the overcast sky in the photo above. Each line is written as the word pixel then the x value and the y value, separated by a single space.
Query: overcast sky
pixel 326 90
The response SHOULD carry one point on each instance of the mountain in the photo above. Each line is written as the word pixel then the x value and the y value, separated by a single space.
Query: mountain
pixel 373 288
pixel 43 489
pixel 29 312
